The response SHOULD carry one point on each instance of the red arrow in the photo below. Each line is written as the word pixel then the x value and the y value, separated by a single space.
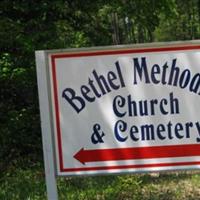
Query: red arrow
pixel 101 155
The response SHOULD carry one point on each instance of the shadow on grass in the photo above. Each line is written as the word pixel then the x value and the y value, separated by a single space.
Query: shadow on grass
pixel 164 177
pixel 30 184
pixel 87 182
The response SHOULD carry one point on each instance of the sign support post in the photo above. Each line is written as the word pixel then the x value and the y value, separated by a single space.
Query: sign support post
pixel 51 184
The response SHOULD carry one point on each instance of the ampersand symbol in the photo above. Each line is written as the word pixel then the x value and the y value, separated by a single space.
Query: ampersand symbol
pixel 97 134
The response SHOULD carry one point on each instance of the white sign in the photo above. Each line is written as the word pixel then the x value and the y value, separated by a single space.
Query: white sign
pixel 126 109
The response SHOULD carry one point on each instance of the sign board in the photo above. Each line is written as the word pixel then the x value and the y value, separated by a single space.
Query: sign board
pixel 124 109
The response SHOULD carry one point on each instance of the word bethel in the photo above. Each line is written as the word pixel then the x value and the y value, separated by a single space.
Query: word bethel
pixel 98 85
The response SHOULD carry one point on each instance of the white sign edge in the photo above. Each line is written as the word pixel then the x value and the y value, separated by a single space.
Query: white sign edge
pixel 45 112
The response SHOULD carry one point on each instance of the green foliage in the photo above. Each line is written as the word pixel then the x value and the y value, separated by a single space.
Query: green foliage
pixel 183 24
pixel 29 184
pixel 23 185
pixel 19 117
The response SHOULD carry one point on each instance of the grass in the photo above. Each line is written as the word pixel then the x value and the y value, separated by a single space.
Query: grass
pixel 29 184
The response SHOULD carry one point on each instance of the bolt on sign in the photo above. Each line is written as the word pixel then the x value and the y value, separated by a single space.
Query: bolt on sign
pixel 123 109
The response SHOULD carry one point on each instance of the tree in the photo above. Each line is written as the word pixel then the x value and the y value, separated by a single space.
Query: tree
pixel 183 24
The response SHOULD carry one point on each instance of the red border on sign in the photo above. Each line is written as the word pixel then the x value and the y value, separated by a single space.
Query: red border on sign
pixel 101 53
